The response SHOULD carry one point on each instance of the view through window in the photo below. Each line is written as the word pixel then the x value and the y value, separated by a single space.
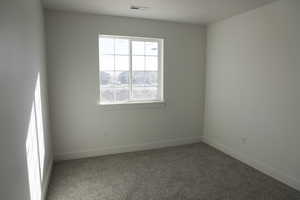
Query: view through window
pixel 131 69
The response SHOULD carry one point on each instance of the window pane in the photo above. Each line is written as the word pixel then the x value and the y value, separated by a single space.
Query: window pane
pixel 106 95
pixel 116 77
pixel 144 93
pixel 138 78
pixel 151 63
pixel 151 79
pixel 122 46
pixel 106 78
pixel 138 63
pixel 122 94
pixel 151 48
pixel 107 63
pixel 106 45
pixel 122 78
pixel 122 63
pixel 138 48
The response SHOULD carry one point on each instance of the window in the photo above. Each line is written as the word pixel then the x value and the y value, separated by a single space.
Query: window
pixel 131 69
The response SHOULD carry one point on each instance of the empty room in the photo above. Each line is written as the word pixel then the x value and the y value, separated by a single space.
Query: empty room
pixel 150 100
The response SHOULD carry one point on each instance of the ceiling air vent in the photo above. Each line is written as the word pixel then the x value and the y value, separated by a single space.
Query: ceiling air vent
pixel 138 7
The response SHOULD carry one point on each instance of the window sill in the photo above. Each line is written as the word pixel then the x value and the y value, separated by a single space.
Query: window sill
pixel 133 105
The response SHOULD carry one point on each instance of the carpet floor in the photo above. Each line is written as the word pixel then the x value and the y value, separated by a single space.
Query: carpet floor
pixel 189 172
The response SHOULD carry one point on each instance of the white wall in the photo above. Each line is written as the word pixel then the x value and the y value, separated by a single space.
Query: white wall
pixel 83 128
pixel 252 107
pixel 21 59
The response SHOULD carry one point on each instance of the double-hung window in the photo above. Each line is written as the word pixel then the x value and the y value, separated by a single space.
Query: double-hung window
pixel 131 69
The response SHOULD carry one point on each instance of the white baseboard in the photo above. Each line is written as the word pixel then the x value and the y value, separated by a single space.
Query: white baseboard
pixel 126 148
pixel 46 181
pixel 259 165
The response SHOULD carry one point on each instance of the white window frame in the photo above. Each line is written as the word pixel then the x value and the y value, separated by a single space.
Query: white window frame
pixel 160 78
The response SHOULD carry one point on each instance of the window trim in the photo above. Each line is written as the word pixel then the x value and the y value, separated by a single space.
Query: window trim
pixel 160 57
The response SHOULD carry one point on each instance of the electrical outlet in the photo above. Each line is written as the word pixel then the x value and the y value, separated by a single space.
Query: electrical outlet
pixel 105 133
pixel 244 140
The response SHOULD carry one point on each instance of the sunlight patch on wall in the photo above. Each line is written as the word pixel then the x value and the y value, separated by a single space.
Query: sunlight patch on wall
pixel 40 127
pixel 35 146
pixel 33 159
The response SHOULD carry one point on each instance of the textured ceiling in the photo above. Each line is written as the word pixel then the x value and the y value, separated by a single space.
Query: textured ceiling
pixel 189 11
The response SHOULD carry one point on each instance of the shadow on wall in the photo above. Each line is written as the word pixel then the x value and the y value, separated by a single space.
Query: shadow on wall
pixel 35 145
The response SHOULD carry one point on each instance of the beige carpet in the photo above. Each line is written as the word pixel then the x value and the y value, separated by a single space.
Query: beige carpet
pixel 190 172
